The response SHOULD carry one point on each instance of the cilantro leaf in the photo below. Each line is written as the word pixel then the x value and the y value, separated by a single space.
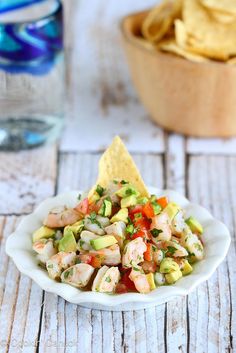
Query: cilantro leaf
pixel 155 232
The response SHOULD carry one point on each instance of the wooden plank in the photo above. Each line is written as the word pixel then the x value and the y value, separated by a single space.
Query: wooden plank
pixel 210 306
pixel 176 310
pixel 26 178
pixel 88 329
pixel 101 95
pixel 215 146
pixel 20 301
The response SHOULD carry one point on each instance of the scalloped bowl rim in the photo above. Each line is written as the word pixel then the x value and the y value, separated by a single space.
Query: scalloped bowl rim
pixel 216 237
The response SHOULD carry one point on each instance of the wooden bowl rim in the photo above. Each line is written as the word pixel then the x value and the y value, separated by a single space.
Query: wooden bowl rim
pixel 133 40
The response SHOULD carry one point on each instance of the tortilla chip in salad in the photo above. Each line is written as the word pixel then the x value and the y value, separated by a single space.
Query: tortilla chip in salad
pixel 117 164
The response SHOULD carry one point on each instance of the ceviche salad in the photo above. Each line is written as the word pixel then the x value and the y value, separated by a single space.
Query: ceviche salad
pixel 119 238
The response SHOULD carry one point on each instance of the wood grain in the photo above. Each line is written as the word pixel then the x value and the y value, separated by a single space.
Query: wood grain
pixel 20 301
pixel 26 178
pixel 210 306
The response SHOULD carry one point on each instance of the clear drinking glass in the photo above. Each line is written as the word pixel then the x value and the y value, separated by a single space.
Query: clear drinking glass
pixel 31 72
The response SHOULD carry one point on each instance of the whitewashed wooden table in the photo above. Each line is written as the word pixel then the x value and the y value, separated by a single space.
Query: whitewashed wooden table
pixel 35 321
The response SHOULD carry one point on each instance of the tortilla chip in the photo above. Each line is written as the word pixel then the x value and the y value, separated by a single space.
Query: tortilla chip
pixel 224 6
pixel 232 61
pixel 172 47
pixel 222 17
pixel 160 20
pixel 117 164
pixel 206 36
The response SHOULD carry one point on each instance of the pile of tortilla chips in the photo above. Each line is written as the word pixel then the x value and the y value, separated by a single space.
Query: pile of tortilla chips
pixel 198 30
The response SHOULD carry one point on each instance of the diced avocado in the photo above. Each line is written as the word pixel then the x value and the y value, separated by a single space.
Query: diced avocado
pixel 168 265
pixel 68 242
pixel 142 200
pixel 127 190
pixel 105 209
pixel 121 215
pixel 150 278
pixel 94 198
pixel 103 242
pixel 187 268
pixel 128 201
pixel 156 208
pixel 153 198
pixel 159 279
pixel 173 276
pixel 76 228
pixel 194 225
pixel 43 232
pixel 172 209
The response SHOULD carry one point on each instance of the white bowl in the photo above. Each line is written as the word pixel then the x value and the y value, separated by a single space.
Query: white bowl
pixel 216 239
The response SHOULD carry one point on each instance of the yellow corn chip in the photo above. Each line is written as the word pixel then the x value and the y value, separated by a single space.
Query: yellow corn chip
pixel 224 6
pixel 160 19
pixel 171 47
pixel 206 36
pixel 117 164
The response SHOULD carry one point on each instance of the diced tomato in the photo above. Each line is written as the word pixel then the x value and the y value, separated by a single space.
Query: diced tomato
pixel 85 258
pixel 140 234
pixel 93 207
pixel 121 288
pixel 163 201
pixel 142 223
pixel 83 206
pixel 148 210
pixel 149 266
pixel 96 261
pixel 127 281
pixel 135 209
pixel 148 253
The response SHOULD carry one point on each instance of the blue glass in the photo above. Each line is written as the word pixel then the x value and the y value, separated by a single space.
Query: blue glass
pixel 31 52
pixel 31 47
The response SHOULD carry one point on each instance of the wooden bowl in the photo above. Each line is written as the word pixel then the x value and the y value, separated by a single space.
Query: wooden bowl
pixel 197 99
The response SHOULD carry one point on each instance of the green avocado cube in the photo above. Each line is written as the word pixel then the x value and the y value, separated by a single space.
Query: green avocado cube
pixel 142 200
pixel 121 215
pixel 172 209
pixel 168 265
pixel 127 190
pixel 68 242
pixel 187 268
pixel 174 276
pixel 194 225
pixel 76 228
pixel 106 209
pixel 43 232
pixel 128 201
pixel 103 242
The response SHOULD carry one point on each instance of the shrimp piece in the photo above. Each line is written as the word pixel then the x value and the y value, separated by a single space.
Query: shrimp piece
pixel 104 221
pixel 117 229
pixel 178 224
pixel 93 226
pixel 193 244
pixel 158 256
pixel 106 279
pixel 77 275
pixel 59 262
pixel 84 242
pixel 60 217
pixel 161 222
pixel 140 280
pixel 110 256
pixel 178 251
pixel 133 252
pixel 45 249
